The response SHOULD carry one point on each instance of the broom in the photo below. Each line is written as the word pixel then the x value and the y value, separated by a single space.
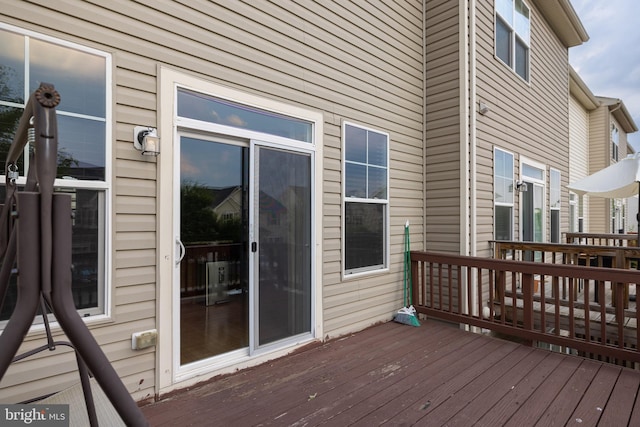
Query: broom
pixel 407 314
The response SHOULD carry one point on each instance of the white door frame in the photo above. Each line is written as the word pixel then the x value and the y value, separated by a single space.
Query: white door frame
pixel 169 375
pixel 535 181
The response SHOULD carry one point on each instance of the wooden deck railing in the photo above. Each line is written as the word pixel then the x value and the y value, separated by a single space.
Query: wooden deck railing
pixel 567 253
pixel 602 239
pixel 499 295
pixel 623 257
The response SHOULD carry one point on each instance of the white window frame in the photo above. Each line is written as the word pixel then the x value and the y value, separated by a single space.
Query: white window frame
pixel 615 142
pixel 514 36
pixel 374 269
pixel 504 204
pixel 104 297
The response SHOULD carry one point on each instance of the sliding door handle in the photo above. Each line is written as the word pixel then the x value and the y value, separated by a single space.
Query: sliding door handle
pixel 181 251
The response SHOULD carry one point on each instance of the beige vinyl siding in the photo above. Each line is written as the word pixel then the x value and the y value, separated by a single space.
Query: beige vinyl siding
pixel 526 118
pixel 360 62
pixel 578 140
pixel 579 147
pixel 442 132
pixel 599 140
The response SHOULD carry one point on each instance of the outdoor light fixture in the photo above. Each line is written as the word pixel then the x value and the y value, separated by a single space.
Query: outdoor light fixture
pixel 483 108
pixel 521 186
pixel 146 140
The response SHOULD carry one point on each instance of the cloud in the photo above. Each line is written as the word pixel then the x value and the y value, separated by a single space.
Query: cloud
pixel 609 63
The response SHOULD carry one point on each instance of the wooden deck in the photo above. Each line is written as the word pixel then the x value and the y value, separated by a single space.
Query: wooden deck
pixel 435 374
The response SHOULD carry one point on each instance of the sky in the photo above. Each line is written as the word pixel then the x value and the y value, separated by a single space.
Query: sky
pixel 609 63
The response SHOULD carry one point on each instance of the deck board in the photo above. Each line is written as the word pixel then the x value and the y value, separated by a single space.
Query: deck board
pixel 620 405
pixel 435 374
pixel 590 408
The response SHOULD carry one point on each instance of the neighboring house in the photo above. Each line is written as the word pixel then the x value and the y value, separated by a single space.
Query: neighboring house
pixel 497 88
pixel 598 135
pixel 609 126
pixel 336 122
pixel 314 110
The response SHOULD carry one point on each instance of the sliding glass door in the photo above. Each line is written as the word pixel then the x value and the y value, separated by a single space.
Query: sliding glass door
pixel 243 247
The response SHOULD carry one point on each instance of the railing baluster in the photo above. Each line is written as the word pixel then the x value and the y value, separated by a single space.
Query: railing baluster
pixel 543 294
pixel 459 288
pixel 514 297
pixel 450 286
pixel 572 330
pixel 479 292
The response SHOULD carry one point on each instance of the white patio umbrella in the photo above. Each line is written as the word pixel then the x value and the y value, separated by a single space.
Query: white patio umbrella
pixel 617 181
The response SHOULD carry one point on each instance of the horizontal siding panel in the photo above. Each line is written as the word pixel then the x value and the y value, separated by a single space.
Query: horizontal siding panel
pixel 141 385
pixel 135 187
pixel 126 223
pixel 371 299
pixel 137 240
pixel 136 205
pixel 135 276
pixel 133 78
pixel 406 212
pixel 120 335
pixel 136 169
pixel 135 258
pixel 133 312
pixel 332 209
pixel 135 98
pixel 134 293
pixel 135 116
pixel 340 327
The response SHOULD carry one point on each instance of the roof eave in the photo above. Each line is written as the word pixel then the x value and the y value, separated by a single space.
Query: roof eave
pixel 579 90
pixel 620 113
pixel 563 20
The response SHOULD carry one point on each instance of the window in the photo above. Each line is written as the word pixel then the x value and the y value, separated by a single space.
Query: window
pixel 220 111
pixel 512 35
pixel 554 204
pixel 503 194
pixel 366 198
pixel 615 138
pixel 82 77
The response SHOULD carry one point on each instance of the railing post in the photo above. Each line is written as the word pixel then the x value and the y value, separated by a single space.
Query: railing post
pixel 527 303
pixel 415 283
pixel 620 262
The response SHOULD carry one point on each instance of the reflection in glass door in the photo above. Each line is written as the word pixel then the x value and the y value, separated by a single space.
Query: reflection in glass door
pixel 533 218
pixel 282 206
pixel 214 303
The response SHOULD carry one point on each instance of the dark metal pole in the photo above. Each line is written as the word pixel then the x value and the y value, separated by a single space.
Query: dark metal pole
pixel 72 324
pixel 28 237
